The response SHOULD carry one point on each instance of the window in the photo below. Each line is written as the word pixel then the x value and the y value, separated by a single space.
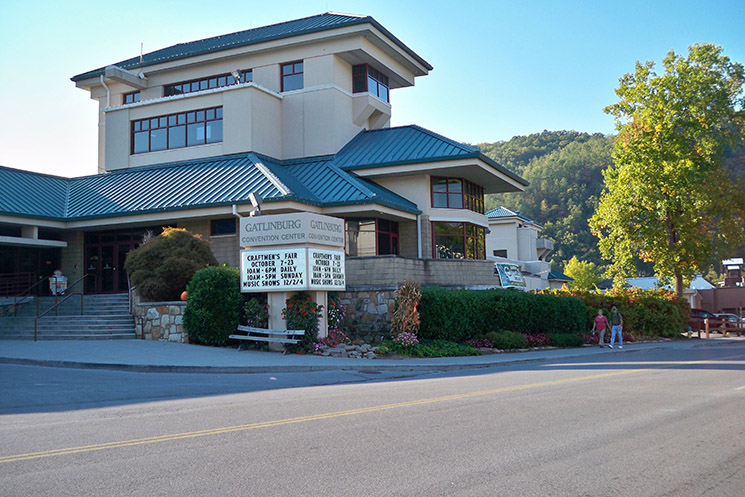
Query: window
pixel 292 76
pixel 500 253
pixel 458 241
pixel 194 85
pixel 222 226
pixel 457 193
pixel 367 79
pixel 132 97
pixel 185 129
pixel 371 236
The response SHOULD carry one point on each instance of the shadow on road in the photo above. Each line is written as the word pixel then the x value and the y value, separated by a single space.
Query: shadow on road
pixel 35 389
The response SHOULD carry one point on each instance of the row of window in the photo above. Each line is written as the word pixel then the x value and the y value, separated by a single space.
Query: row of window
pixel 194 85
pixel 368 79
pixel 184 129
pixel 456 193
pixel 364 79
pixel 375 236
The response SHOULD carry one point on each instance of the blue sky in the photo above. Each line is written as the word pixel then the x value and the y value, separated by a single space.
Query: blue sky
pixel 500 68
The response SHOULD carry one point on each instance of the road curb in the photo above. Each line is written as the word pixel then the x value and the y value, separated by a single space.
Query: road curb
pixel 145 368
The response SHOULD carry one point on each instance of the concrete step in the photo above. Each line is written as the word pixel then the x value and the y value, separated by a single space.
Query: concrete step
pixel 105 317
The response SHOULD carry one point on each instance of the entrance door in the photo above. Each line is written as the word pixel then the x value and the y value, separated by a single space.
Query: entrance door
pixel 105 265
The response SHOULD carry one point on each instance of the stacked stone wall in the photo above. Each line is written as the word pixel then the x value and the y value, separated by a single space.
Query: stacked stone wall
pixel 161 321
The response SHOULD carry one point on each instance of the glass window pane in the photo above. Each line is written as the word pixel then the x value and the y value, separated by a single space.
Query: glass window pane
pixel 439 199
pixel 248 76
pixel 298 67
pixel 384 225
pixel 145 124
pixel 218 113
pixel 221 81
pixel 172 120
pixel 203 84
pixel 191 117
pixel 140 142
pixel 394 227
pixel 182 118
pixel 292 82
pixel 136 126
pixel 384 244
pixel 231 79
pixel 455 201
pixel 383 93
pixel 287 69
pixel 177 137
pixel 214 131
pixel 162 122
pixel 195 134
pixel 367 224
pixel 213 83
pixel 439 185
pixel 195 86
pixel 154 122
pixel 454 185
pixel 200 115
pixel 158 139
pixel 210 114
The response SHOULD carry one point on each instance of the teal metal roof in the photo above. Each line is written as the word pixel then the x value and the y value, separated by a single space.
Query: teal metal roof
pixel 502 212
pixel 407 145
pixel 297 27
pixel 32 194
pixel 208 182
pixel 182 185
pixel 559 276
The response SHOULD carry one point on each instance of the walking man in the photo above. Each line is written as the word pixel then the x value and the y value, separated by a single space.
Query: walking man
pixel 616 326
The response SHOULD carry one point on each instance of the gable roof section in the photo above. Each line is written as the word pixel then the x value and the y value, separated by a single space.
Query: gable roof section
pixel 217 181
pixel 208 182
pixel 503 212
pixel 410 144
pixel 287 29
pixel 28 194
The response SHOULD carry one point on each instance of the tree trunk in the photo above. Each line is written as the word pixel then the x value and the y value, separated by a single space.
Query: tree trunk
pixel 679 284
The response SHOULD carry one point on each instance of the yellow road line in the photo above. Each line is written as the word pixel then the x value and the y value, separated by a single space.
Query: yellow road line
pixel 318 417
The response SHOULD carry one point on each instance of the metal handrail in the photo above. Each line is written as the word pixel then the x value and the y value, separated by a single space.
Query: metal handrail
pixel 16 302
pixel 60 302
pixel 36 320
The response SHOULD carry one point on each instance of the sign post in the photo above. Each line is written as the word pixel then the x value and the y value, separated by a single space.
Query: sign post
pixel 288 253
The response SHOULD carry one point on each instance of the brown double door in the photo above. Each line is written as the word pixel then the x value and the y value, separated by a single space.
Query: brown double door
pixel 105 268
pixel 105 253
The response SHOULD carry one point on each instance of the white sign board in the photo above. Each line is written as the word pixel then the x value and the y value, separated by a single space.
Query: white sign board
pixel 292 269
pixel 293 228
pixel 510 275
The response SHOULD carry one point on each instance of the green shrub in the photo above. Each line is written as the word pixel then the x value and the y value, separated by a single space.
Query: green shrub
pixel 650 313
pixel 162 266
pixel 566 340
pixel 507 340
pixel 214 307
pixel 459 315
pixel 432 348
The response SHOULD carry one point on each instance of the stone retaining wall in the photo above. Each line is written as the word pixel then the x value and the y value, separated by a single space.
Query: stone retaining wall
pixel 162 321
pixel 369 313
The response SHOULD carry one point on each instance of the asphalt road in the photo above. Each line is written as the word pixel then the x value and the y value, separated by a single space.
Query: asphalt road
pixel 662 422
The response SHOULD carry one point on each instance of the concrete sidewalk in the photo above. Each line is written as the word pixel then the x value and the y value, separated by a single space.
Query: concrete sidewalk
pixel 150 356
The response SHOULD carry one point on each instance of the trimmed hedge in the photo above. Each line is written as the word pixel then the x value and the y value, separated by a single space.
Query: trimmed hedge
pixel 214 307
pixel 567 340
pixel 459 315
pixel 650 313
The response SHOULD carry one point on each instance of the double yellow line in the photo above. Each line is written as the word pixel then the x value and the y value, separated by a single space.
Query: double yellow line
pixel 318 417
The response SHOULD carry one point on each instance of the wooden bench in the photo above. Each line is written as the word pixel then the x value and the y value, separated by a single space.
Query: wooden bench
pixel 265 335
pixel 724 328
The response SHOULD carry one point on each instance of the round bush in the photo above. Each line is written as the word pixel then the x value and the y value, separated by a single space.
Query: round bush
pixel 162 266
pixel 214 307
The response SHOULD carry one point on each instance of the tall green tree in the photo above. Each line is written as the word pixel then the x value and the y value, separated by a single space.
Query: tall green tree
pixel 668 200
pixel 584 274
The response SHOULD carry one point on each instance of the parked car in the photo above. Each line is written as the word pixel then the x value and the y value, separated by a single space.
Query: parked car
pixel 696 321
pixel 732 318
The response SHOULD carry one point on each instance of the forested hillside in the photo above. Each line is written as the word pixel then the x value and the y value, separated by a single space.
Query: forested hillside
pixel 564 169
